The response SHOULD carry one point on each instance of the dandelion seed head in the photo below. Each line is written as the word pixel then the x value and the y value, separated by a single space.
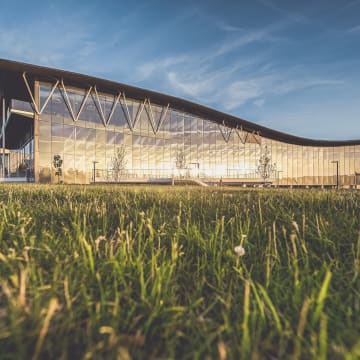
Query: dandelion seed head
pixel 239 250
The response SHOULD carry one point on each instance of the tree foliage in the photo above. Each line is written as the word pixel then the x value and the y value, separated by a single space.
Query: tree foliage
pixel 57 162
pixel 119 162
pixel 180 161
pixel 265 169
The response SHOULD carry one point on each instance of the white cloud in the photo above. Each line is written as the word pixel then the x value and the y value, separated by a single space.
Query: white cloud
pixel 207 76
pixel 222 25
pixel 246 38
pixel 221 87
pixel 355 29
pixel 287 85
pixel 148 69
pixel 240 92
pixel 259 102
pixel 50 46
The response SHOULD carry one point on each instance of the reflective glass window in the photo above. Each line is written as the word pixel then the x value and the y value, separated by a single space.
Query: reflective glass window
pixel 44 92
pixel 90 112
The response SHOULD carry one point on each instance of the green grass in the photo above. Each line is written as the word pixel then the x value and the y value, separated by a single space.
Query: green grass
pixel 151 272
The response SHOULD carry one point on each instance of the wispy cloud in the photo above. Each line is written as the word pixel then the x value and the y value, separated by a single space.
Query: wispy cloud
pixel 148 69
pixel 51 46
pixel 352 4
pixel 289 15
pixel 194 65
pixel 355 29
pixel 245 38
pixel 259 102
pixel 258 89
pixel 250 78
pixel 240 92
pixel 233 94
pixel 210 85
pixel 224 26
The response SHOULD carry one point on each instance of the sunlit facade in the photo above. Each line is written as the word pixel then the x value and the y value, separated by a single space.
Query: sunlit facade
pixel 109 132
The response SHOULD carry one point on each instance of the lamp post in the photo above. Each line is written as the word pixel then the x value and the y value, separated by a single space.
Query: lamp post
pixel 337 172
pixel 94 170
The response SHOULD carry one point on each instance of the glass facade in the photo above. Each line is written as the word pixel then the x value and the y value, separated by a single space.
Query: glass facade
pixel 19 155
pixel 126 139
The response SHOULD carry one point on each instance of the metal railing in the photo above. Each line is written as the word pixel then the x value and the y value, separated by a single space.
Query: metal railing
pixel 110 175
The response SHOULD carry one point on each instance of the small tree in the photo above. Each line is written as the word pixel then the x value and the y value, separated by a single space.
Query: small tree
pixel 265 168
pixel 180 161
pixel 57 162
pixel 119 162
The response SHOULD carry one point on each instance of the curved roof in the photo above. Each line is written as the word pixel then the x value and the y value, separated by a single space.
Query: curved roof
pixel 76 79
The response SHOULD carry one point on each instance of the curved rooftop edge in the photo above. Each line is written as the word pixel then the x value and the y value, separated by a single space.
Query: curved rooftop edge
pixel 107 86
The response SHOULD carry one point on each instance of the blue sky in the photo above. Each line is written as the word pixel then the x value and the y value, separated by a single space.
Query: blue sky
pixel 290 65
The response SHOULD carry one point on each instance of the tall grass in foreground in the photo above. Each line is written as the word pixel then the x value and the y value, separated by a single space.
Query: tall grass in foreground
pixel 117 272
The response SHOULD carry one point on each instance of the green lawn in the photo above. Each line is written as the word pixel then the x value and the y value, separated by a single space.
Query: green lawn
pixel 151 272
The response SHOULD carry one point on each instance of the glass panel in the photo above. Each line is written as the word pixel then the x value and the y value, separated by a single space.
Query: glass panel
pixel 59 109
pixel 76 97
pixel 44 92
pixel 165 125
pixel 57 130
pixel 44 146
pixel 118 119
pixel 135 110
pixel 44 131
pixel 90 113
pixel 68 133
pixel 108 104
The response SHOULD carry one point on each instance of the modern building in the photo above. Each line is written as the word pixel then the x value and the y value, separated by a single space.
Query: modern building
pixel 102 130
